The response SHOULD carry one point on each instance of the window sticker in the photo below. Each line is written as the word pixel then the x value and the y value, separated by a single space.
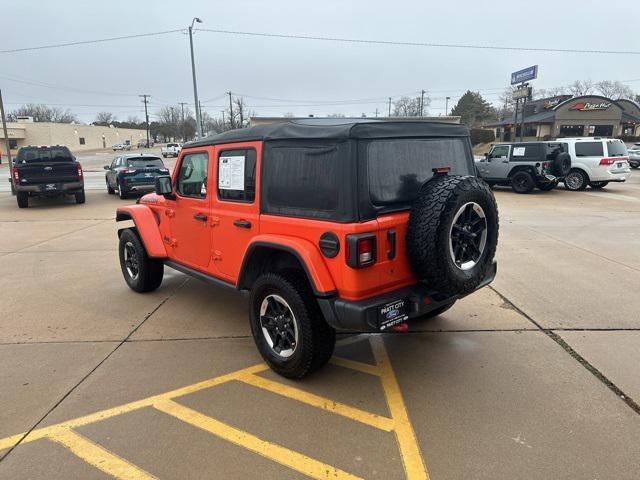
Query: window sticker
pixel 518 151
pixel 231 173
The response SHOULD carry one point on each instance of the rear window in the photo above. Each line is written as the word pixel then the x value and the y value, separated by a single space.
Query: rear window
pixel 397 168
pixel 616 149
pixel 145 162
pixel 44 154
pixel 589 149
pixel 170 145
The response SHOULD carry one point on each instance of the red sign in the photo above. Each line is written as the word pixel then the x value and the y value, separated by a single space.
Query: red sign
pixel 588 106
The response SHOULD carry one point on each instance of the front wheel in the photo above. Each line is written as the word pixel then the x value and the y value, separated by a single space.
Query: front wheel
pixel 141 272
pixel 598 185
pixel 576 180
pixel 287 325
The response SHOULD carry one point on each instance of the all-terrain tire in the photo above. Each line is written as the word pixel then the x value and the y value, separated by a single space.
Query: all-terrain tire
pixel 429 233
pixel 522 182
pixel 23 199
pixel 148 271
pixel 561 165
pixel 598 185
pixel 576 180
pixel 316 339
pixel 80 197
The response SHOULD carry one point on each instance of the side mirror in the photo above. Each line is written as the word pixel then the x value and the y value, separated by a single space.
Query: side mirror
pixel 163 186
pixel 107 167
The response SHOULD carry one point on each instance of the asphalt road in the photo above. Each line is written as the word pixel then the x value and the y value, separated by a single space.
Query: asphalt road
pixel 534 377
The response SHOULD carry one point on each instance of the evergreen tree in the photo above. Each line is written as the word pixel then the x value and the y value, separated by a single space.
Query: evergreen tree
pixel 473 109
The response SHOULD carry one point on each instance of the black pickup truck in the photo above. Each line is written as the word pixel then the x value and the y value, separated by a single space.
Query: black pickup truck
pixel 48 171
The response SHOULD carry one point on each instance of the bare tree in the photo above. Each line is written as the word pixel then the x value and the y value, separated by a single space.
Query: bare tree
pixel 104 118
pixel 614 89
pixel 44 113
pixel 581 87
pixel 410 107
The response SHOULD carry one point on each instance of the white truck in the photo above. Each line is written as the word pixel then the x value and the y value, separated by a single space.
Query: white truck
pixel 171 150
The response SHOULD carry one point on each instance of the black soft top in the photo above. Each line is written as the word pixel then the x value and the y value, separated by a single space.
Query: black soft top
pixel 334 129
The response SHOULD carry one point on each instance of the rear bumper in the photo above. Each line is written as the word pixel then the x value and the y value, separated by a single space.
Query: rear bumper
pixel 46 189
pixel 613 175
pixel 362 316
pixel 140 187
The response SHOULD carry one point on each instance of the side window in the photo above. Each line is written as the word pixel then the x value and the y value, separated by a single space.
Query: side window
pixel 114 164
pixel 526 153
pixel 589 149
pixel 237 175
pixel 501 151
pixel 192 177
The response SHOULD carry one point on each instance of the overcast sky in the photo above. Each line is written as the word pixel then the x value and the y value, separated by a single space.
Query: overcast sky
pixel 303 71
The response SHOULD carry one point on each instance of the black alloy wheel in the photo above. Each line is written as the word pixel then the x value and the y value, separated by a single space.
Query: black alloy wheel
pixel 279 325
pixel 468 236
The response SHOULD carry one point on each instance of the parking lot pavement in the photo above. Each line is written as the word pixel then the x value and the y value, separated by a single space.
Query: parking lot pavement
pixel 522 380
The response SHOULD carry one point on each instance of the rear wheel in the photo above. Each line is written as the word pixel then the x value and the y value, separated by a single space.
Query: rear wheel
pixel 287 325
pixel 141 272
pixel 576 180
pixel 121 192
pixel 80 198
pixel 23 199
pixel 522 182
pixel 598 185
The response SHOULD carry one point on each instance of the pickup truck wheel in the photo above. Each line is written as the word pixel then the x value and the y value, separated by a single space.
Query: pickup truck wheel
pixel 80 198
pixel 452 234
pixel 598 185
pixel 287 325
pixel 23 199
pixel 141 272
pixel 521 182
pixel 576 180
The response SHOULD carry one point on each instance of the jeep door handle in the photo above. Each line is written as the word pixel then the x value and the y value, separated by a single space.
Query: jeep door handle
pixel 200 217
pixel 242 223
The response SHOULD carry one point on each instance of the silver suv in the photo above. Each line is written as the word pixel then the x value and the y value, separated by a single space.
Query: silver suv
pixel 526 165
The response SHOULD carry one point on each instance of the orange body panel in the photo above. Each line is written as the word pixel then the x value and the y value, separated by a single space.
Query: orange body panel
pixel 145 221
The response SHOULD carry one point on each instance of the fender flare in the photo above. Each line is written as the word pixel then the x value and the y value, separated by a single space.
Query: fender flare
pixel 519 168
pixel 147 227
pixel 305 252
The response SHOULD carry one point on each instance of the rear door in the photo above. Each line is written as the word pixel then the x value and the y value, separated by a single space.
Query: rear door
pixel 235 211
pixel 189 212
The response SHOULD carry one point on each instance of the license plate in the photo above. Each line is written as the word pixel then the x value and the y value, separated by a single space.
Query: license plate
pixel 50 186
pixel 392 314
pixel 148 174
pixel 619 165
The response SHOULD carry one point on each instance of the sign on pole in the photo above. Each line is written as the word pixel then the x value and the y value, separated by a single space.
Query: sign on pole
pixel 524 75
pixel 520 93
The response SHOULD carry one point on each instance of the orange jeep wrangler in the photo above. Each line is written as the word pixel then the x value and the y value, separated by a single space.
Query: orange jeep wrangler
pixel 329 225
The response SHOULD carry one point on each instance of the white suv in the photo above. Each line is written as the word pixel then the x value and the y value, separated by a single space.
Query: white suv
pixel 595 162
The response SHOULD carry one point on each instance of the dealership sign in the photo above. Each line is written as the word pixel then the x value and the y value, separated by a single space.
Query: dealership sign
pixel 520 93
pixel 524 75
pixel 588 106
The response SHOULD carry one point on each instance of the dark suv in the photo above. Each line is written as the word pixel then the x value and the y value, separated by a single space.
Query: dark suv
pixel 525 165
pixel 135 173
pixel 329 225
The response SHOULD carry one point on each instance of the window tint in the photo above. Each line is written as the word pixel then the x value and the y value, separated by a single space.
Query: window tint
pixel 192 178
pixel 399 167
pixel 44 154
pixel 145 162
pixel 305 180
pixel 501 151
pixel 616 149
pixel 526 152
pixel 589 149
pixel 237 175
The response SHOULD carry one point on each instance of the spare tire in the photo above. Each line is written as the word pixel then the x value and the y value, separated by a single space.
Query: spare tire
pixel 561 165
pixel 452 233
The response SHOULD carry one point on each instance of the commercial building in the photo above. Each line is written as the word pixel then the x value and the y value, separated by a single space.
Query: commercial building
pixel 567 116
pixel 75 136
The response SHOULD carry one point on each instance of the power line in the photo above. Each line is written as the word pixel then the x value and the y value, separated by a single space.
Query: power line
pixel 418 44
pixel 86 42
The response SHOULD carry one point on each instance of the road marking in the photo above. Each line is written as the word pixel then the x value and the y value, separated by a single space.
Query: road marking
pixel 323 403
pixel 294 460
pixel 414 465
pixel 97 456
pixel 412 460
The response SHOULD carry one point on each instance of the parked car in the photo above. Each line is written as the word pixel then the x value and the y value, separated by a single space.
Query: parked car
pixel 325 232
pixel 634 155
pixel 133 173
pixel 144 144
pixel 46 171
pixel 525 165
pixel 595 162
pixel 171 150
pixel 121 146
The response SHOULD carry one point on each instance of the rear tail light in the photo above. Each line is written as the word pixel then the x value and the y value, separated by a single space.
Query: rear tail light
pixel 607 161
pixel 16 175
pixel 128 170
pixel 546 166
pixel 79 171
pixel 361 250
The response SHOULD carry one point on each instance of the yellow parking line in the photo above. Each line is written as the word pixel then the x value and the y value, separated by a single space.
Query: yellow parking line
pixel 353 365
pixel 323 403
pixel 294 460
pixel 414 465
pixel 128 407
pixel 97 456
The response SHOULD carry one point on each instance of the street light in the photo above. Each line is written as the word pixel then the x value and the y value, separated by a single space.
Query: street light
pixel 195 85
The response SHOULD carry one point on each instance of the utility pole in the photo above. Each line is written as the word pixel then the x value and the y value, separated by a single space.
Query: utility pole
pixel 6 135
pixel 193 72
pixel 376 112
pixel 223 120
pixel 446 106
pixel 422 102
pixel 146 114
pixel 231 111
pixel 182 104
pixel 201 118
pixel 389 106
